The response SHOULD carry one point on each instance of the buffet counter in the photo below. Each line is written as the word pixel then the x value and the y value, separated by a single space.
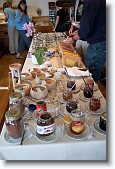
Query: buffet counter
pixel 61 145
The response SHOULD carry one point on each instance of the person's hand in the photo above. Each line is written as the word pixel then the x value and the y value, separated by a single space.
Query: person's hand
pixel 68 40
pixel 21 13
pixel 76 36
pixel 71 30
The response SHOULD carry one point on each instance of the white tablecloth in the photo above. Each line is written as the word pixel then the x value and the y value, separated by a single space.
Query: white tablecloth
pixel 64 148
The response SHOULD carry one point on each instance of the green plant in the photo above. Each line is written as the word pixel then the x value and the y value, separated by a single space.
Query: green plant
pixel 39 53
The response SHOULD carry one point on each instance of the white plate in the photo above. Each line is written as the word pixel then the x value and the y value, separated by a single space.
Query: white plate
pixel 28 134
pixel 97 128
pixel 82 97
pixel 51 138
pixel 98 112
pixel 81 136
pixel 75 72
pixel 95 86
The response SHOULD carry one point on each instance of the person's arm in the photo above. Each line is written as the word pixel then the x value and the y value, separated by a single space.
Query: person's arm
pixel 6 14
pixel 87 21
pixel 71 28
pixel 18 16
pixel 57 20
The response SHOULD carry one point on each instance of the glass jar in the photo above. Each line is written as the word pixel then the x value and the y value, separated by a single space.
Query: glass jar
pixel 94 103
pixel 45 125
pixel 77 122
pixel 102 123
pixel 90 82
pixel 14 123
pixel 16 102
pixel 70 83
pixel 88 92
pixel 71 105
pixel 67 95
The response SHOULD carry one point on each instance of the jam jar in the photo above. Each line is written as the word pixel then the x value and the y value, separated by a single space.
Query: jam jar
pixel 94 103
pixel 45 125
pixel 88 92
pixel 16 102
pixel 14 123
pixel 70 83
pixel 77 122
pixel 71 105
pixel 67 95
pixel 102 123
pixel 90 82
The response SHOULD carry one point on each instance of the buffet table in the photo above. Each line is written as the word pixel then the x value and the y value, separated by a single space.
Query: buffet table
pixel 93 147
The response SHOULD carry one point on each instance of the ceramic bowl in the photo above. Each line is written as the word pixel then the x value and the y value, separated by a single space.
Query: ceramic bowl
pixel 28 82
pixel 35 72
pixel 26 76
pixel 42 67
pixel 42 76
pixel 50 83
pixel 48 63
pixel 57 75
pixel 39 92
pixel 26 87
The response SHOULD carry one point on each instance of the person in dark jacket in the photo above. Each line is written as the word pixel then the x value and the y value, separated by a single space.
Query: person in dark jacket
pixel 93 30
pixel 60 18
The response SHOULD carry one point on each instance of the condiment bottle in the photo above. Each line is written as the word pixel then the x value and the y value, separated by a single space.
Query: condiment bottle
pixel 14 123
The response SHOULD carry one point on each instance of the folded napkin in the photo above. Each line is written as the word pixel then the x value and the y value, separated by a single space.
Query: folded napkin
pixel 74 71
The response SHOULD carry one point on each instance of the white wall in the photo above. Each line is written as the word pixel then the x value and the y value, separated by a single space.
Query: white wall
pixel 33 5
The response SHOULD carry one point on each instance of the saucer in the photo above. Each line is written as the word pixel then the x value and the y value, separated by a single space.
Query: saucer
pixel 95 86
pixel 35 115
pixel 63 110
pixel 51 138
pixel 61 100
pixel 28 134
pixel 98 112
pixel 97 128
pixel 81 136
pixel 83 98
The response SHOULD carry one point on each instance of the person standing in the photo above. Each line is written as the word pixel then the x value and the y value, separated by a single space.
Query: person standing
pixel 81 44
pixel 22 18
pixel 93 30
pixel 12 31
pixel 60 18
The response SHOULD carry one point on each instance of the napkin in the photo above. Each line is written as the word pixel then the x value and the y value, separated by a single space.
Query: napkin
pixel 74 71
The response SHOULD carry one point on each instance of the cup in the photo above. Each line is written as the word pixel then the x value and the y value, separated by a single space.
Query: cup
pixel 94 103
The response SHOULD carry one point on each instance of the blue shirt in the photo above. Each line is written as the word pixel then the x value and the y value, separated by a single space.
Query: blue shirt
pixel 11 16
pixel 93 21
pixel 20 21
